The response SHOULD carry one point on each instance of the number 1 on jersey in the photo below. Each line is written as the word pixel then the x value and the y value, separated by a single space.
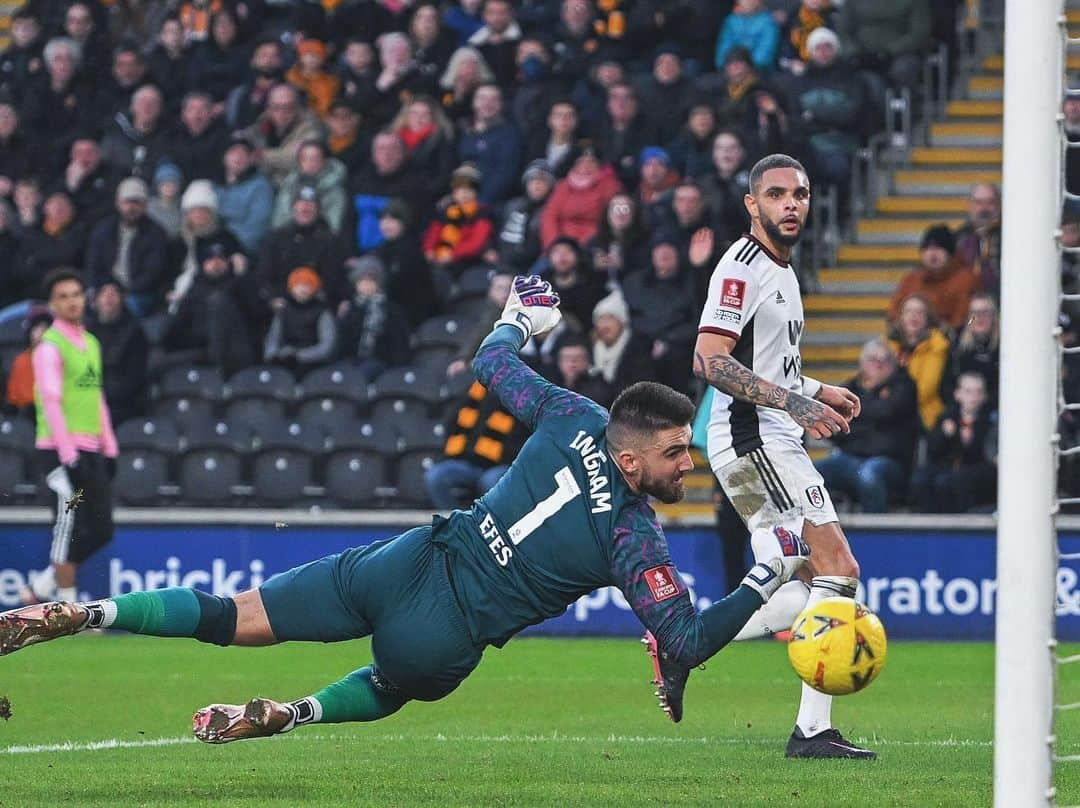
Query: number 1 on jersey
pixel 566 489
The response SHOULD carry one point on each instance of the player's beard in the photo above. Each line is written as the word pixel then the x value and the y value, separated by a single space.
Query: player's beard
pixel 772 229
pixel 667 491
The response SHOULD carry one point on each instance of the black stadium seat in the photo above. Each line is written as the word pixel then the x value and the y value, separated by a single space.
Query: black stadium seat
pixel 354 476
pixel 444 331
pixel 237 436
pixel 261 415
pixel 280 475
pixel 409 479
pixel 262 381
pixel 326 415
pixel 141 473
pixel 192 381
pixel 405 393
pixel 184 411
pixel 342 381
pixel 381 438
pixel 207 476
pixel 17 433
pixel 148 433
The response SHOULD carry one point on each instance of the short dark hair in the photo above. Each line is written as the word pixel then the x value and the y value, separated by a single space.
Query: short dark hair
pixel 645 408
pixel 768 163
pixel 59 275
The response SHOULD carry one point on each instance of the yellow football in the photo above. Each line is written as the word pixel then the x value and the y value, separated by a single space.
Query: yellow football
pixel 837 646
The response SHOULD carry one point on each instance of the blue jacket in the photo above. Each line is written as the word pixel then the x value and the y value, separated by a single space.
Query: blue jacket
pixel 758 33
pixel 245 208
pixel 497 153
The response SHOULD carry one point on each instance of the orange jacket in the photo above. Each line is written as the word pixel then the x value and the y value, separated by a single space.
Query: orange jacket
pixel 20 383
pixel 948 291
pixel 320 88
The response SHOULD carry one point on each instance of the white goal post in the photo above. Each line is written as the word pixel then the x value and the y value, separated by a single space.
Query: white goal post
pixel 1030 295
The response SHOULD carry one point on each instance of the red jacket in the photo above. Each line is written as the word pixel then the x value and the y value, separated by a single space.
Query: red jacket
pixel 462 234
pixel 577 212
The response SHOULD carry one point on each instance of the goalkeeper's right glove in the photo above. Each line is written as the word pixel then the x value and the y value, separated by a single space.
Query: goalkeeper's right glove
pixel 789 552
pixel 532 308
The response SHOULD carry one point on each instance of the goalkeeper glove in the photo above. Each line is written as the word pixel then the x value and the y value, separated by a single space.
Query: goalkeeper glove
pixel 532 308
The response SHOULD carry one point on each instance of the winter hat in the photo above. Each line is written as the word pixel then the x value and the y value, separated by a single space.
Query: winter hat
pixel 132 189
pixel 307 193
pixel 664 237
pixel 303 275
pixel 168 172
pixel 614 305
pixel 938 235
pixel 466 174
pixel 537 168
pixel 366 266
pixel 655 153
pixel 822 35
pixel 200 194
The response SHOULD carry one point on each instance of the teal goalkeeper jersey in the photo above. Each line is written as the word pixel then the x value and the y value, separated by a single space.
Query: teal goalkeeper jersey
pixel 561 522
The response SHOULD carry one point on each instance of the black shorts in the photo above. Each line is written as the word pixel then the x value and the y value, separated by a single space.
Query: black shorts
pixel 81 503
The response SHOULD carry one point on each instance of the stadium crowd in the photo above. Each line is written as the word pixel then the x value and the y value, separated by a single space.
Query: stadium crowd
pixel 307 184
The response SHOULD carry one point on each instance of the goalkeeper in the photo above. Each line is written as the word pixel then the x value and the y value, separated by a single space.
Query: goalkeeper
pixel 570 515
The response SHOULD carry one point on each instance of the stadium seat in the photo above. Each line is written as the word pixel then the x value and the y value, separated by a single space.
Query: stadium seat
pixel 13 332
pixel 192 381
pixel 148 433
pixel 381 438
pixel 209 476
pixel 289 435
pixel 13 471
pixel 261 415
pixel 429 434
pixel 282 476
pixel 141 474
pixel 354 476
pixel 17 433
pixel 184 411
pixel 342 381
pixel 237 436
pixel 433 358
pixel 473 283
pixel 444 331
pixel 409 479
pixel 404 393
pixel 262 381
pixel 326 415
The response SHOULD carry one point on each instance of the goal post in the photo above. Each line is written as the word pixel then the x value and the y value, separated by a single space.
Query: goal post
pixel 1030 290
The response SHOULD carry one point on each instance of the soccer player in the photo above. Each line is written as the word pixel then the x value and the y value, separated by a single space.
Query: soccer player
pixel 570 515
pixel 748 349
pixel 75 440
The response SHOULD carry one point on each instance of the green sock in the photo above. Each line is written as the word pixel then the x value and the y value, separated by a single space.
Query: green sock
pixel 163 612
pixel 354 698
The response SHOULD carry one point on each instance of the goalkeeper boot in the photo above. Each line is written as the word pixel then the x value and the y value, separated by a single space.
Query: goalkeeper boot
pixel 259 718
pixel 669 677
pixel 39 623
pixel 827 744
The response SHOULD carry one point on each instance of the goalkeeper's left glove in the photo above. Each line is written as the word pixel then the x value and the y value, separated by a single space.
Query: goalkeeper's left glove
pixel 532 308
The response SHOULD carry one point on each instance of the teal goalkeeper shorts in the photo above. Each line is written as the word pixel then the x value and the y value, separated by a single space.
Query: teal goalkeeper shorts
pixel 399 591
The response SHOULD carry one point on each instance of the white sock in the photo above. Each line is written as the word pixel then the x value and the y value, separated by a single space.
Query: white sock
pixel 778 614
pixel 304 711
pixel 815 709
pixel 43 585
pixel 68 593
pixel 102 613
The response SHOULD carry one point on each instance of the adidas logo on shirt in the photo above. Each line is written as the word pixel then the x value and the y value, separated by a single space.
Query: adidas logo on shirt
pixel 780 297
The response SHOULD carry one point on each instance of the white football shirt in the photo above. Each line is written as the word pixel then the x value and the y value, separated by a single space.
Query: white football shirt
pixel 754 298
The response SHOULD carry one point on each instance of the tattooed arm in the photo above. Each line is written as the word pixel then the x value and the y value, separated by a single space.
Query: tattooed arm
pixel 714 363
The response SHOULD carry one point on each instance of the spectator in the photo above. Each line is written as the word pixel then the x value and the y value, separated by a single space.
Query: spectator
pixel 169 63
pixel 663 308
pixel 357 73
pixel 978 241
pixel 199 140
pixel 620 356
pixel 830 102
pixel 554 143
pixel 590 94
pixel 113 95
pixel 216 321
pixel 621 244
pixel 128 249
pixel 280 131
pixel 537 87
pixel 333 23
pixel 20 155
pixel 58 241
pixel 82 29
pixel 726 186
pixel 655 184
pixel 625 133
pixel 27 198
pixel 575 39
pixel 794 47
pixel 19 387
pixel 218 64
pixel 164 205
pixel 691 149
pixel 889 40
pixel 493 144
pixel 750 26
pixel 87 181
pixel 466 72
pixel 124 352
pixel 314 168
pixel 388 176
pixel 517 241
pixel 201 234
pixel 579 199
pixel 310 76
pixel 371 328
pixel 135 142
pixel 400 76
pixel 345 141
pixel 13 283
pixel 961 468
pixel 246 198
pixel 462 226
pixel 691 223
pixel 872 463
pixel 566 266
pixel 195 17
pixel 247 101
pixel 940 278
pixel 409 281
pixel 923 351
pixel 304 241
pixel 303 333
pixel 58 106
pixel 497 39
pixel 499 284
pixel 481 441
pixel 666 94
pixel 977 349
pixel 428 136
pixel 21 64
pixel 574 364
pixel 463 19
pixel 432 44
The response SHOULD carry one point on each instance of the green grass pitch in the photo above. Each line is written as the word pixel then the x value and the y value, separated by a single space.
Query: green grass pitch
pixel 542 722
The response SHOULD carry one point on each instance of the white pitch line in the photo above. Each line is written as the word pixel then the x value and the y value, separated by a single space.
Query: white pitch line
pixel 115 743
